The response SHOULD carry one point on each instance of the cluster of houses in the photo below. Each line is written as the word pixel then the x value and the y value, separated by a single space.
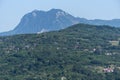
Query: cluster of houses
pixel 108 70
pixel 110 54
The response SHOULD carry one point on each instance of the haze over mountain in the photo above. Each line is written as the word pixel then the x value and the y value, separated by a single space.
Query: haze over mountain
pixel 54 19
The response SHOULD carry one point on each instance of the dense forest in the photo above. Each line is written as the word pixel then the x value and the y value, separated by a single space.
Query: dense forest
pixel 80 52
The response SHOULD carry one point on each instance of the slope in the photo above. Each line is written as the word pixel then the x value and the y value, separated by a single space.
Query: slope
pixel 76 53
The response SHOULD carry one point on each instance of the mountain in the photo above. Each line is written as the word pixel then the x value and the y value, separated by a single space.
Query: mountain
pixel 39 21
pixel 80 52
pixel 54 19
pixel 113 22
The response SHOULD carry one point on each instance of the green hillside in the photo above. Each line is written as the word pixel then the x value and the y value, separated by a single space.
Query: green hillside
pixel 80 52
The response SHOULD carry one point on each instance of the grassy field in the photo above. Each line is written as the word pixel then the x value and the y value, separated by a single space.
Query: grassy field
pixel 114 43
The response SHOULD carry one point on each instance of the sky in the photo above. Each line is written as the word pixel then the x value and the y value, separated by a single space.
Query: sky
pixel 11 11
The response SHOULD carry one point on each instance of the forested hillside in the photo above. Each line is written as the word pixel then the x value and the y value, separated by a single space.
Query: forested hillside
pixel 80 52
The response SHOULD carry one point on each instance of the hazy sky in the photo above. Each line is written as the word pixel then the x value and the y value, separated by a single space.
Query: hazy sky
pixel 11 11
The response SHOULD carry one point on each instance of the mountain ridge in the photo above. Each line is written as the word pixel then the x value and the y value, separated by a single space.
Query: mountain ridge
pixel 54 19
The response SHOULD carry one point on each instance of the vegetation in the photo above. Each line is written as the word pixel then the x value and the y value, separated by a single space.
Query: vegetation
pixel 80 52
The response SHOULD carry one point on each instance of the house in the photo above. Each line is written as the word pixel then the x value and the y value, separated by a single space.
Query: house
pixel 108 70
pixel 108 54
pixel 63 78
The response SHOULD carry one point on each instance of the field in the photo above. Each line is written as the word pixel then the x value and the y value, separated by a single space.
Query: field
pixel 114 43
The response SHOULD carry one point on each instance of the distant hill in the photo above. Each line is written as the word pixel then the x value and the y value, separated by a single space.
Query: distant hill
pixel 80 52
pixel 54 19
